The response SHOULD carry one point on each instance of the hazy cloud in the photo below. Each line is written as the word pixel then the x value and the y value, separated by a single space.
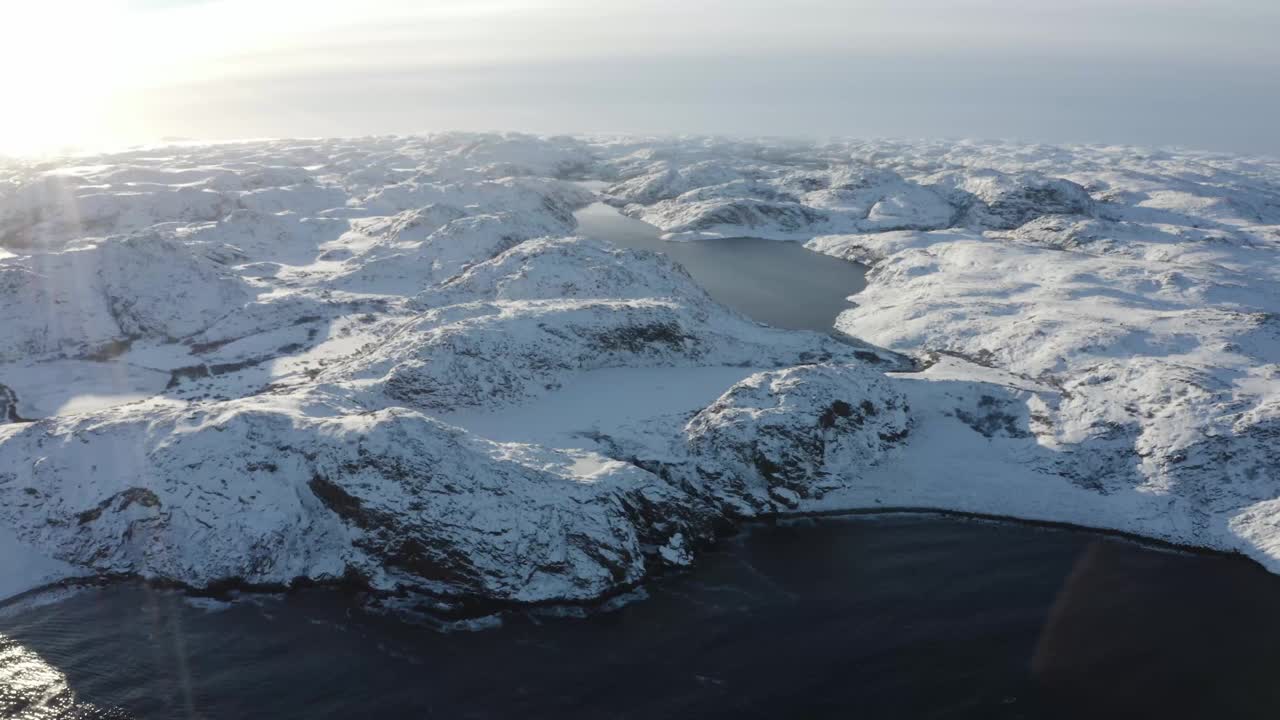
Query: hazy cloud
pixel 1174 71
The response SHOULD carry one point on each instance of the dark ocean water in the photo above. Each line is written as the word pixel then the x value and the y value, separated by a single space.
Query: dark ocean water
pixel 892 617
pixel 778 283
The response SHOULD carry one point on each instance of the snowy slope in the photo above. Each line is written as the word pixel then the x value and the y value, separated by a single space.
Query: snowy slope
pixel 390 362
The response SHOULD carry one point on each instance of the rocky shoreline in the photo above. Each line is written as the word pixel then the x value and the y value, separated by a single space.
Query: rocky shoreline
pixel 425 384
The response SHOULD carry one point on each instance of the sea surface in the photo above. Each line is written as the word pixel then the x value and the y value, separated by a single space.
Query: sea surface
pixel 898 616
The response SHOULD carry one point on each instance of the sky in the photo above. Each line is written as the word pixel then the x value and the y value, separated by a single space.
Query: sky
pixel 90 73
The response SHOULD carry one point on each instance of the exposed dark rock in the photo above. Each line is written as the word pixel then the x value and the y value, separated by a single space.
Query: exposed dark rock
pixel 783 429
pixel 992 417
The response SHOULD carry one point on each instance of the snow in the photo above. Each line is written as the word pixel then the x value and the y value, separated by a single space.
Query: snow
pixel 26 567
pixel 602 402
pixel 390 361
pixel 67 387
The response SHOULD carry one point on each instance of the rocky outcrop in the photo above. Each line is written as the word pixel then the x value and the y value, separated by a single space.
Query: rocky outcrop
pixel 317 490
pixel 780 437
pixel 1000 201
pixel 521 324
pixel 79 301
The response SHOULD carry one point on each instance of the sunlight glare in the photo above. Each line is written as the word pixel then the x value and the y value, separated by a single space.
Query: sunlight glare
pixel 62 59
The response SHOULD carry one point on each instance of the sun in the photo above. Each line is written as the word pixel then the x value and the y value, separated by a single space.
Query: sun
pixel 63 61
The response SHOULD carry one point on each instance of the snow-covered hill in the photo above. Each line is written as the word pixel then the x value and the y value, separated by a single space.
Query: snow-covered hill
pixel 390 362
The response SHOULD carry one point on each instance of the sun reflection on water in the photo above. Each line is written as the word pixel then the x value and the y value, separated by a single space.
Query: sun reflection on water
pixel 32 689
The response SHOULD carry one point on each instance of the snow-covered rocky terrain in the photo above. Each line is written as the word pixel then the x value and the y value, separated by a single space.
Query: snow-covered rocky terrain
pixel 391 363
